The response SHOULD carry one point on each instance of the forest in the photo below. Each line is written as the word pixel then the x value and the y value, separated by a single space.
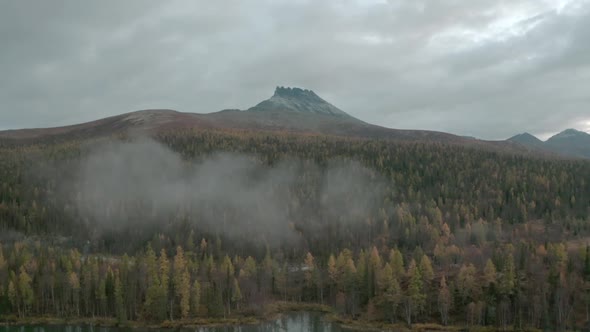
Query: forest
pixel 380 231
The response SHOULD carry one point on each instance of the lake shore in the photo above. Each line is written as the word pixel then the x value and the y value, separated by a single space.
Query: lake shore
pixel 271 312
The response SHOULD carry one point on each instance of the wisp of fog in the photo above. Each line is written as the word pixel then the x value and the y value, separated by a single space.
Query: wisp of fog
pixel 143 182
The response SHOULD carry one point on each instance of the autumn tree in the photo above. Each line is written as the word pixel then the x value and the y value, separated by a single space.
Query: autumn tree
pixel 489 273
pixel 333 275
pixel 236 294
pixel 444 301
pixel 467 284
pixel 181 282
pixel 24 290
pixel 427 273
pixel 74 284
pixel 506 290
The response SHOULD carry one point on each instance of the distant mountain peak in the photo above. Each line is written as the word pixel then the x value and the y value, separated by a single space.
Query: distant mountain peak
pixel 571 142
pixel 526 139
pixel 298 100
pixel 525 134
pixel 569 133
pixel 528 135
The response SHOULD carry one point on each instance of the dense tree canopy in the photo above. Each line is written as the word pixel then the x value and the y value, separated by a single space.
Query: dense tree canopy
pixel 457 236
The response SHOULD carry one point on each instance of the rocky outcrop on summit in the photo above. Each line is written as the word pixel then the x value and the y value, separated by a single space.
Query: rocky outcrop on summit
pixel 298 100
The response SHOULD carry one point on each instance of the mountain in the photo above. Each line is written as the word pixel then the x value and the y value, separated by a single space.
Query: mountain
pixel 288 110
pixel 568 135
pixel 570 142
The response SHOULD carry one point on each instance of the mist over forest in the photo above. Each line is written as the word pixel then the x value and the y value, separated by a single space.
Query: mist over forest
pixel 143 183
pixel 188 226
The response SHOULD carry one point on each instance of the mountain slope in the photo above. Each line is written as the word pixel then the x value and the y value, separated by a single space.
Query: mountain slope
pixel 134 121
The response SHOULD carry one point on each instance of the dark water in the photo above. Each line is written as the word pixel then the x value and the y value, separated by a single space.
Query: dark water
pixel 295 322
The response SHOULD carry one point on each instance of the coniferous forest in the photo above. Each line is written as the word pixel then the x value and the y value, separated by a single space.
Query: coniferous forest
pixel 378 231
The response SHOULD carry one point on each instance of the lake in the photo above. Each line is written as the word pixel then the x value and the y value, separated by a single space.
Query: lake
pixel 294 322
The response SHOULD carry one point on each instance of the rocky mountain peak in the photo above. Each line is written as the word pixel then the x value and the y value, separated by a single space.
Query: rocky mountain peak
pixel 298 100
pixel 287 92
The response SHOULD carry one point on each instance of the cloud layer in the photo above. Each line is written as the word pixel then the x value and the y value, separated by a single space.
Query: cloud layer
pixel 484 68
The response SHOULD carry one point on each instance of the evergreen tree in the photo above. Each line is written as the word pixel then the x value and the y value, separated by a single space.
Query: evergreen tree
pixel 489 273
pixel 195 297
pixel 120 310
pixel 508 277
pixel 164 280
pixel 181 282
pixel 397 263
pixel 415 297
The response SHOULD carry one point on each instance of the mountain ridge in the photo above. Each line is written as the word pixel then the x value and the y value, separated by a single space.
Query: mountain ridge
pixel 289 110
pixel 292 110
pixel 569 142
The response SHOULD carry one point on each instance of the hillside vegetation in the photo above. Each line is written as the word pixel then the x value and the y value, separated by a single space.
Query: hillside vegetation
pixel 378 230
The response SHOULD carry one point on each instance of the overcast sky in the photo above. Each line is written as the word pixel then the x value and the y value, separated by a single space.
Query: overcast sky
pixel 485 68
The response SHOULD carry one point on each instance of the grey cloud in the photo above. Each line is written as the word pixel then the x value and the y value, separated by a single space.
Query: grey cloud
pixel 401 64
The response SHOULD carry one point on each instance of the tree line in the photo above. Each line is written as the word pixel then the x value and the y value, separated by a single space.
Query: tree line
pixel 520 286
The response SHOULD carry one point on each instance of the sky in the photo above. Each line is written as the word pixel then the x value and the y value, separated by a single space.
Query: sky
pixel 483 68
